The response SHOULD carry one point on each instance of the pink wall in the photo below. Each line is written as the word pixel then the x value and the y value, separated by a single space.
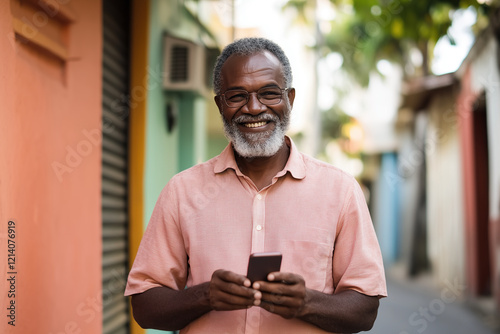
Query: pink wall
pixel 46 111
pixel 466 99
pixel 474 160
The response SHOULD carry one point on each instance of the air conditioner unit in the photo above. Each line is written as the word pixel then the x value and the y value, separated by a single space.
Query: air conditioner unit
pixel 183 65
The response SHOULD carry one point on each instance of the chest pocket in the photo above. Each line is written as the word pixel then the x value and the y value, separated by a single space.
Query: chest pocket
pixel 312 259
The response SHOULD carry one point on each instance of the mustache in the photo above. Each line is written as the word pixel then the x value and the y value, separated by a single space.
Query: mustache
pixel 258 118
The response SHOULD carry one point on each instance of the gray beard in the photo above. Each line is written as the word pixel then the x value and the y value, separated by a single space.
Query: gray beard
pixel 257 145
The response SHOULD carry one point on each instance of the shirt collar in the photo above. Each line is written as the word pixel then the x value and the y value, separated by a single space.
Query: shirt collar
pixel 295 164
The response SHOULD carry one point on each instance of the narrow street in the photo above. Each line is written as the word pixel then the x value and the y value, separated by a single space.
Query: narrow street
pixel 416 306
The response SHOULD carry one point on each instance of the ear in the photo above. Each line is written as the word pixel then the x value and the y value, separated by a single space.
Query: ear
pixel 219 103
pixel 291 96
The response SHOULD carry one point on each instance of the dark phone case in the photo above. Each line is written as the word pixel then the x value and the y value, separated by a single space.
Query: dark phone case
pixel 261 264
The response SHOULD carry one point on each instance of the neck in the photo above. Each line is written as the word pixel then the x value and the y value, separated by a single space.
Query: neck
pixel 262 170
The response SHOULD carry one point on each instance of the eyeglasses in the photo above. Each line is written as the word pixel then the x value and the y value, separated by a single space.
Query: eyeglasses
pixel 236 98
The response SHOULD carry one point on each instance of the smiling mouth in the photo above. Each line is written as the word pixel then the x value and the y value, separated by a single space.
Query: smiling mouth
pixel 255 125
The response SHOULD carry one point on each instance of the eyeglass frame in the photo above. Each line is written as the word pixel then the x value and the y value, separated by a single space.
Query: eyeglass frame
pixel 223 96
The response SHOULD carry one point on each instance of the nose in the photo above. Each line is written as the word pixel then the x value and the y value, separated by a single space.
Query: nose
pixel 253 105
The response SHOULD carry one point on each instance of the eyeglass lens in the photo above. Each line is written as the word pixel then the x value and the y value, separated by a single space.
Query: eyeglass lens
pixel 267 96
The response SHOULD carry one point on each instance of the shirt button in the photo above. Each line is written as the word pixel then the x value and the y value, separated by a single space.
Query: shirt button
pixel 259 197
pixel 258 227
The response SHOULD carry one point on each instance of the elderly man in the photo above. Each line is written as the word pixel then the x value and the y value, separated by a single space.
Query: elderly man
pixel 259 195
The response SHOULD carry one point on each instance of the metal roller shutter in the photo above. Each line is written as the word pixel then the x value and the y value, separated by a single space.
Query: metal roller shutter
pixel 114 165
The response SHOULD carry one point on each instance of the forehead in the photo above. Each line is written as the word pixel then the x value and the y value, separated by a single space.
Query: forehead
pixel 252 71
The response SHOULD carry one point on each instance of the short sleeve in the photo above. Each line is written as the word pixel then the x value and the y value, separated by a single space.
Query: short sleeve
pixel 161 259
pixel 357 260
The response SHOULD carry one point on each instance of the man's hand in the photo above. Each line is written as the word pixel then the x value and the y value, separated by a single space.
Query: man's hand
pixel 168 309
pixel 230 291
pixel 285 294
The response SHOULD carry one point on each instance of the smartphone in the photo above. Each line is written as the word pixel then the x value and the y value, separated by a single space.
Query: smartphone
pixel 261 264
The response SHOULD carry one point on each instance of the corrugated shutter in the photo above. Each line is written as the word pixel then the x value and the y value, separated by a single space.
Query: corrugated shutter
pixel 114 165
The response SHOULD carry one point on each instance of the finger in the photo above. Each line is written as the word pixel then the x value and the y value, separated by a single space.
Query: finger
pixel 234 289
pixel 230 291
pixel 230 276
pixel 279 288
pixel 282 299
pixel 232 283
pixel 232 300
pixel 220 299
pixel 283 294
pixel 287 278
pixel 285 312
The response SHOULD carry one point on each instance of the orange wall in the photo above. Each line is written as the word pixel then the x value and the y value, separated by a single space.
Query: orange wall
pixel 45 112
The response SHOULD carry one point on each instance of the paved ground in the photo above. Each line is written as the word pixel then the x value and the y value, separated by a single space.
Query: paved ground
pixel 416 307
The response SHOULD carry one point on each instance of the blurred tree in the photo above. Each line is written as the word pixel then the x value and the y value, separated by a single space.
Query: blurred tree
pixel 393 29
pixel 366 31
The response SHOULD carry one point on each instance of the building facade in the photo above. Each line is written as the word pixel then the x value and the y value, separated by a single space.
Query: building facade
pixel 99 110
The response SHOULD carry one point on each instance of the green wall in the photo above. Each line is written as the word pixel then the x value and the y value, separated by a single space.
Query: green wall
pixel 167 153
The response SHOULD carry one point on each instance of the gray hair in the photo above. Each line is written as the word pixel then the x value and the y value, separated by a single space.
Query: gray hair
pixel 250 46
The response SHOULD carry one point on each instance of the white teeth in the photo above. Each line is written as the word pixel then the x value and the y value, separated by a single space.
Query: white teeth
pixel 255 125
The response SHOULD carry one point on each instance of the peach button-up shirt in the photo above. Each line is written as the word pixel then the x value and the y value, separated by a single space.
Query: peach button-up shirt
pixel 211 217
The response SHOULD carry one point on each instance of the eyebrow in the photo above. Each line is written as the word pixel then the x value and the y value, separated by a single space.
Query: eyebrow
pixel 242 88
